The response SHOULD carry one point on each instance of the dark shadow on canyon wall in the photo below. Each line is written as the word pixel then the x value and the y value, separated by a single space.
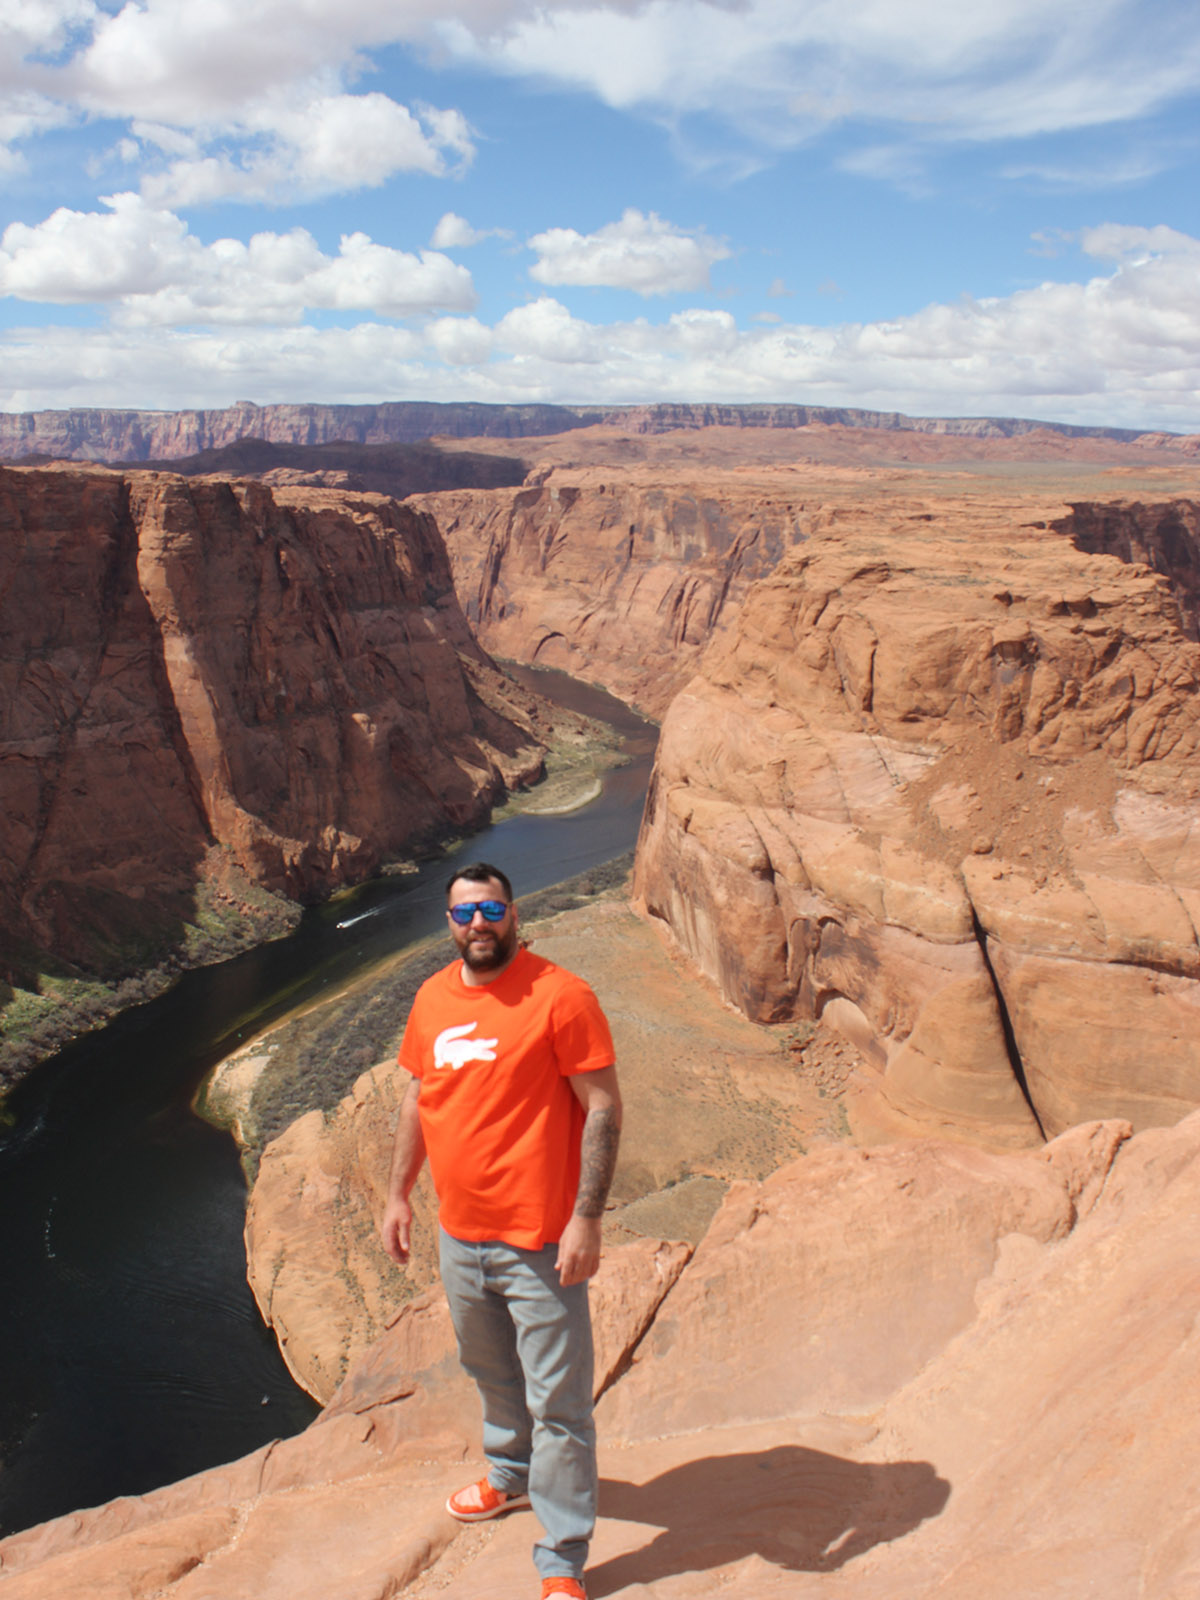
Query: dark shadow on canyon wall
pixel 394 469
pixel 801 1510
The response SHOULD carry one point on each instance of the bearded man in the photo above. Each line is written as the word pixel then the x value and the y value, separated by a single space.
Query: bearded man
pixel 514 1098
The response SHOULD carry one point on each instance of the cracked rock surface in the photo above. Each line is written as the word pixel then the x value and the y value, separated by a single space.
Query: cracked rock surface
pixel 938 786
pixel 926 1370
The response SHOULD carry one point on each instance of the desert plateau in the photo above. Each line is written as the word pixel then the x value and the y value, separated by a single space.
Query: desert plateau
pixel 900 1295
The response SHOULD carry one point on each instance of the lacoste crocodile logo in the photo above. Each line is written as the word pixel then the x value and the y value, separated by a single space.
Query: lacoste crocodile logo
pixel 451 1049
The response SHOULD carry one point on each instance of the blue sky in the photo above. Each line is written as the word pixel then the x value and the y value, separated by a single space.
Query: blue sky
pixel 919 205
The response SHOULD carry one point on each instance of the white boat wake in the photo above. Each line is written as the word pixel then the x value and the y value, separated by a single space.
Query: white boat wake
pixel 361 917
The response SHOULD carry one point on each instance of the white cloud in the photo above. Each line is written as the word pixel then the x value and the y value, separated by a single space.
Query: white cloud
pixel 327 145
pixel 460 341
pixel 29 27
pixel 139 368
pixel 546 330
pixel 640 252
pixel 23 114
pixel 1098 172
pixel 919 72
pixel 783 69
pixel 456 233
pixel 76 257
pixel 453 233
pixel 1120 349
pixel 712 334
pixel 145 262
pixel 260 84
pixel 1114 241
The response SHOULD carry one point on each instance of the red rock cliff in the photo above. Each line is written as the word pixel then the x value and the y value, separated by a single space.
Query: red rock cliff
pixel 618 577
pixel 939 786
pixel 1164 537
pixel 623 555
pixel 195 663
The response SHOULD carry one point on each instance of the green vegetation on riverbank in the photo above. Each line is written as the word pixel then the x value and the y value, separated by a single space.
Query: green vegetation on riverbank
pixel 46 1002
pixel 54 1003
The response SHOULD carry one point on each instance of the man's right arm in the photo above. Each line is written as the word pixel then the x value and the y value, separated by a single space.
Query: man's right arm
pixel 408 1157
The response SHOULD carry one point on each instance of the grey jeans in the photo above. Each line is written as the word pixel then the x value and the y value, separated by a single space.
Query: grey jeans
pixel 527 1343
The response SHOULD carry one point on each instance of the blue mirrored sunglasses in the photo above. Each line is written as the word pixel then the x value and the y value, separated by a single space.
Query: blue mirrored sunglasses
pixel 493 911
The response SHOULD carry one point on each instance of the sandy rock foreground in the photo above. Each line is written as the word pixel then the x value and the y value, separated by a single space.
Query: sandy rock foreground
pixel 936 1372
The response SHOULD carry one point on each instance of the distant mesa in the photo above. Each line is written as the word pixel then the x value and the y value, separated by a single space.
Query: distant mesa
pixel 101 434
pixel 142 436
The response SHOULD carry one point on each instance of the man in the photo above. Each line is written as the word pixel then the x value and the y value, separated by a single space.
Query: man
pixel 514 1097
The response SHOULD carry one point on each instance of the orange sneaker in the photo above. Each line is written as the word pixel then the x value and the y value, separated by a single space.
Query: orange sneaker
pixel 479 1501
pixel 563 1585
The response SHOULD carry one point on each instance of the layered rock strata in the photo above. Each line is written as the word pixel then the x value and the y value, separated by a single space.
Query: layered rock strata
pixel 101 434
pixel 196 664
pixel 939 787
pixel 1164 537
pixel 935 1372
pixel 111 435
pixel 622 557
pixel 613 577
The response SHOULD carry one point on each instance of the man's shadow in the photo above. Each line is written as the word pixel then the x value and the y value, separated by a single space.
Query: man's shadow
pixel 799 1509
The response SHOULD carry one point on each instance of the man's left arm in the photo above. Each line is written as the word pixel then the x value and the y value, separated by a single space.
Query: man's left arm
pixel 579 1247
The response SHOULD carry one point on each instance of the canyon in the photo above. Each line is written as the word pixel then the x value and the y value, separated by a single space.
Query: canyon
pixel 925 820
pixel 929 757
pixel 212 693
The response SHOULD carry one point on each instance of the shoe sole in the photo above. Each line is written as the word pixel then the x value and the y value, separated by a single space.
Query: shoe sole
pixel 514 1502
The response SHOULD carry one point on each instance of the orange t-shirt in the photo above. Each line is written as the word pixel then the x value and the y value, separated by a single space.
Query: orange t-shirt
pixel 501 1123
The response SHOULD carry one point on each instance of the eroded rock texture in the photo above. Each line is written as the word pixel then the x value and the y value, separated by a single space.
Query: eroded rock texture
pixel 938 787
pixel 197 664
pixel 612 576
pixel 1164 537
pixel 884 1375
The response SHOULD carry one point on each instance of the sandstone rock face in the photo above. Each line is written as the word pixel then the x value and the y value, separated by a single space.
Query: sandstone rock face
pixel 614 577
pixel 939 787
pixel 1164 537
pixel 190 664
pixel 318 1271
pixel 814 1231
pixel 625 552
pixel 396 470
pixel 885 1375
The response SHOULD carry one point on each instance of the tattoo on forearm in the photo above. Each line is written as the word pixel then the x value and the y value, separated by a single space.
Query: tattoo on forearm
pixel 598 1159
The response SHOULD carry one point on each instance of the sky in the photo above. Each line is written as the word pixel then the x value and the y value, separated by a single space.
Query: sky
pixel 928 206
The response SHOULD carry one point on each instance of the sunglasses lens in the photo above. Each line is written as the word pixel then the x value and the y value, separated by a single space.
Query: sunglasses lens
pixel 493 911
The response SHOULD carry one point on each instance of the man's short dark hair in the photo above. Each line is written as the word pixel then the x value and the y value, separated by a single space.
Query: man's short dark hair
pixel 481 872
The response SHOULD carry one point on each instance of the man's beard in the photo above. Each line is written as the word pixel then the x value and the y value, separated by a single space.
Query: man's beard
pixel 487 955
